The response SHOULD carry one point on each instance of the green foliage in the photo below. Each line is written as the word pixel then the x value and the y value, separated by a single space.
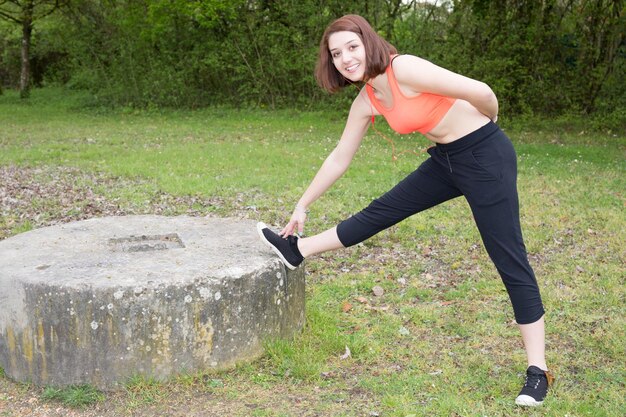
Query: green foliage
pixel 76 396
pixel 536 55
pixel 541 57
pixel 26 14
pixel 9 54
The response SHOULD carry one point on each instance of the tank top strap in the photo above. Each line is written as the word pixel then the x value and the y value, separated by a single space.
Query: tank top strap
pixel 373 100
pixel 395 90
pixel 391 77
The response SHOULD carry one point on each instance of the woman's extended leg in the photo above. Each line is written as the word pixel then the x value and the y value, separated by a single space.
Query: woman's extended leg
pixel 319 243
pixel 425 187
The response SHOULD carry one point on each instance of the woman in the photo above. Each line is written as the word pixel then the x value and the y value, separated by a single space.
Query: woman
pixel 471 157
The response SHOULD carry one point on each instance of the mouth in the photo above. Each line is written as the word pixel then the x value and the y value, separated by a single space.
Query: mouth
pixel 352 68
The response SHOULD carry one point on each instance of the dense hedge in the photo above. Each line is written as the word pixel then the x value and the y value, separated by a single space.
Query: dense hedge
pixel 540 56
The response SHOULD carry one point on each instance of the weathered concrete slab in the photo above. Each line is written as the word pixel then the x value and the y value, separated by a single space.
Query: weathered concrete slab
pixel 101 300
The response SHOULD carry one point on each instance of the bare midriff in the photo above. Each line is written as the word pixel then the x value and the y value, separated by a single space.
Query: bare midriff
pixel 462 119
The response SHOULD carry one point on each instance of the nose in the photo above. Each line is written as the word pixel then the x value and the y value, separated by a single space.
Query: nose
pixel 346 56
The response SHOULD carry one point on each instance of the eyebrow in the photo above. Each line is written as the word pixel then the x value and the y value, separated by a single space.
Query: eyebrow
pixel 351 40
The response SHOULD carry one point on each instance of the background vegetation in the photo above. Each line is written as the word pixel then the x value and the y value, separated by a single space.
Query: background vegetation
pixel 542 57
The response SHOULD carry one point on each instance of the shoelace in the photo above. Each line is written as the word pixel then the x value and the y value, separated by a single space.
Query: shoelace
pixel 533 380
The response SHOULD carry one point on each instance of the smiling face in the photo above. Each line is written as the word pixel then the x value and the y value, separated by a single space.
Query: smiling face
pixel 348 54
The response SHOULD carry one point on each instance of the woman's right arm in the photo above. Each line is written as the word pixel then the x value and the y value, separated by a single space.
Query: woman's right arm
pixel 335 164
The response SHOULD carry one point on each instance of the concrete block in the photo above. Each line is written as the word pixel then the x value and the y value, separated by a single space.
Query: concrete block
pixel 101 300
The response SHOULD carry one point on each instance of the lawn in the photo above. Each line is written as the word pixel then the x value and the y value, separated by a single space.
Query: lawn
pixel 440 341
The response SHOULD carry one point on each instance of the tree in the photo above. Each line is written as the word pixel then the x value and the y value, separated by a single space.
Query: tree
pixel 25 13
pixel 602 35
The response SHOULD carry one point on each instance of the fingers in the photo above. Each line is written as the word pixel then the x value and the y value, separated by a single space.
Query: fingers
pixel 296 223
pixel 299 222
pixel 287 230
pixel 300 228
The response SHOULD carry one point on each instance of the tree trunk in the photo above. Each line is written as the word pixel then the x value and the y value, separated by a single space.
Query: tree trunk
pixel 27 30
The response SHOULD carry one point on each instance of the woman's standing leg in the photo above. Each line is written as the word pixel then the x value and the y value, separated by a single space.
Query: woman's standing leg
pixel 487 175
pixel 533 335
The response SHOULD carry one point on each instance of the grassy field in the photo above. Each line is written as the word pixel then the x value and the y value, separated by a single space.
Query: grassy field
pixel 440 341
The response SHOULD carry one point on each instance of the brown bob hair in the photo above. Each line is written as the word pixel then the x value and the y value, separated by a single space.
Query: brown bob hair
pixel 377 51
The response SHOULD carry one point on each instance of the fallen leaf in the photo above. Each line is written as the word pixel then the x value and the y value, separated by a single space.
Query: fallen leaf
pixel 362 300
pixel 346 306
pixel 347 353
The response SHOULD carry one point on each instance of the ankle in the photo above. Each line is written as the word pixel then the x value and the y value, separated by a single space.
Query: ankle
pixel 540 365
pixel 302 247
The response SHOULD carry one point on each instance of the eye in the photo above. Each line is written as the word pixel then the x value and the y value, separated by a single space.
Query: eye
pixel 335 54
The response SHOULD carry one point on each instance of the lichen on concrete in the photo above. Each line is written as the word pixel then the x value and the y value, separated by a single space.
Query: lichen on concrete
pixel 99 316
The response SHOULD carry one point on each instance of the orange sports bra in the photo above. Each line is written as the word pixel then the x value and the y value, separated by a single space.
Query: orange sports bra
pixel 409 114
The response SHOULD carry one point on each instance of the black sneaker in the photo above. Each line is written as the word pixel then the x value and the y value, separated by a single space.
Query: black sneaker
pixel 286 249
pixel 535 388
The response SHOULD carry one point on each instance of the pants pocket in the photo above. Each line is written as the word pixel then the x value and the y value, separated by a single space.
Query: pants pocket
pixel 489 159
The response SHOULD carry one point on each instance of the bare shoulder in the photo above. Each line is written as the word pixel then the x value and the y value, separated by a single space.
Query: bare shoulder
pixel 407 61
pixel 421 75
pixel 411 69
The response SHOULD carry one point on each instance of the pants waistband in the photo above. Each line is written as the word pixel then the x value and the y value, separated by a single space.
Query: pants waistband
pixel 469 140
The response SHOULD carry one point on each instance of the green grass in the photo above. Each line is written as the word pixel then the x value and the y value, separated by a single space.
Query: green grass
pixel 142 391
pixel 77 396
pixel 440 341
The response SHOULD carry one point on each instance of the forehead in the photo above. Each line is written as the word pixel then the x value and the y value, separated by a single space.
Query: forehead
pixel 337 40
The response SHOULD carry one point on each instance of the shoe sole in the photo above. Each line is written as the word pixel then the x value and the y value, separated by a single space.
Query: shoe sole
pixel 527 400
pixel 259 228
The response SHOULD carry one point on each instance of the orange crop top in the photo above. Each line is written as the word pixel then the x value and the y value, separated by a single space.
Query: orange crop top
pixel 409 114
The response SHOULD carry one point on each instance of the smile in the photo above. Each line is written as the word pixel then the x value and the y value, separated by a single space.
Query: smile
pixel 352 68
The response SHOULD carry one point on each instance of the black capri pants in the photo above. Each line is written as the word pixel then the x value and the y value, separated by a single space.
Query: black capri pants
pixel 482 166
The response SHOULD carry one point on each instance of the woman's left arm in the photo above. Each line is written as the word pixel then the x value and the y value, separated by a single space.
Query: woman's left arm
pixel 424 76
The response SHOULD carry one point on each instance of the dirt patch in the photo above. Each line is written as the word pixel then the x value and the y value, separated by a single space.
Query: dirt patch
pixel 45 196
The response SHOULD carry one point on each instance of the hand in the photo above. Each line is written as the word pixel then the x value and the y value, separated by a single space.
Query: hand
pixel 298 217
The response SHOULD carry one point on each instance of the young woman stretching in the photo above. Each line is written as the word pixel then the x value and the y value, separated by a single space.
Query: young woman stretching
pixel 472 157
